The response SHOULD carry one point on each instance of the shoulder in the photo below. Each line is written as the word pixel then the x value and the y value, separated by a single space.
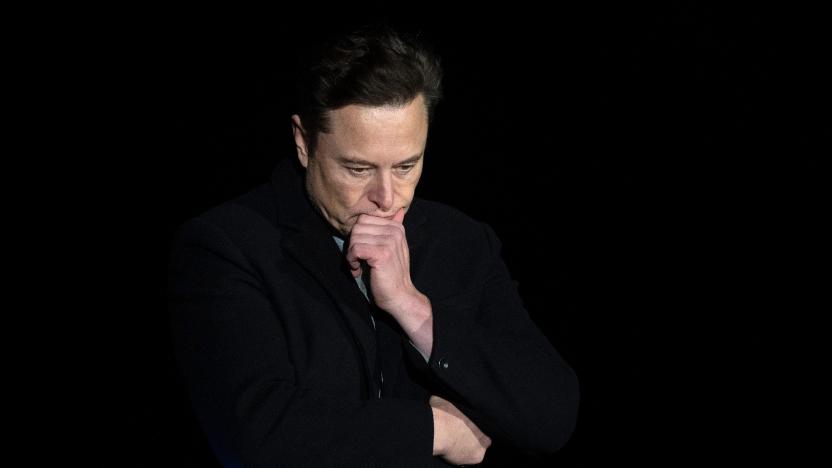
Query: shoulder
pixel 246 220
pixel 257 206
pixel 437 215
pixel 446 224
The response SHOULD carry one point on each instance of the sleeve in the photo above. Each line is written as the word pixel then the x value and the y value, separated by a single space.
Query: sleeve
pixel 235 363
pixel 497 366
pixel 413 345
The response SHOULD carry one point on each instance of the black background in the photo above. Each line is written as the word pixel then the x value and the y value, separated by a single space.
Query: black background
pixel 651 171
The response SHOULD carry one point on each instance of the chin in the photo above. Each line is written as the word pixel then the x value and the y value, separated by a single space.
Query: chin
pixel 342 228
pixel 346 229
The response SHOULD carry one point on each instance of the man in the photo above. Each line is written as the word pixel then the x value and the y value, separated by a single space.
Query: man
pixel 330 318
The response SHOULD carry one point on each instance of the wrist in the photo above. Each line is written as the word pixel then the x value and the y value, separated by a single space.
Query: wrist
pixel 413 310
pixel 439 431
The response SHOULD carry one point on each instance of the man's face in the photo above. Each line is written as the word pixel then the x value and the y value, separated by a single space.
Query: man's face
pixel 369 163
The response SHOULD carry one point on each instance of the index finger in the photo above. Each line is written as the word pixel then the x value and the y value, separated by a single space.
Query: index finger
pixel 370 219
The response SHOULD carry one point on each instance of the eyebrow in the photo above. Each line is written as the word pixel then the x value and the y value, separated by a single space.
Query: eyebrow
pixel 364 162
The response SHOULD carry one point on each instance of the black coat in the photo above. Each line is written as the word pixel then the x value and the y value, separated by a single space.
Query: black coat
pixel 281 361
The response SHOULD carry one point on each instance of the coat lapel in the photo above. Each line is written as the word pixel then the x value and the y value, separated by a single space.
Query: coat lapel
pixel 317 252
pixel 309 241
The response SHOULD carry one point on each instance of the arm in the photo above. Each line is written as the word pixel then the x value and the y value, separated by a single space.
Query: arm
pixel 235 362
pixel 496 365
pixel 483 348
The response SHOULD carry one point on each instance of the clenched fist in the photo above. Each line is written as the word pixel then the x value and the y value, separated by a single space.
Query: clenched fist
pixel 382 244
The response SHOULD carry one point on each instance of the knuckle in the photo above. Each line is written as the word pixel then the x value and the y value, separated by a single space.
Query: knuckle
pixel 394 235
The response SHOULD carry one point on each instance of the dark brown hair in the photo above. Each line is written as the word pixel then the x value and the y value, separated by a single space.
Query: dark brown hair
pixel 372 66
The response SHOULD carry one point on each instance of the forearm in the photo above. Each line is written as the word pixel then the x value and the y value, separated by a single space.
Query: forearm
pixel 491 357
pixel 416 319
pixel 516 386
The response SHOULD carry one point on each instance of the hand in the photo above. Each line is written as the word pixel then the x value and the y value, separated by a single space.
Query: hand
pixel 455 438
pixel 382 244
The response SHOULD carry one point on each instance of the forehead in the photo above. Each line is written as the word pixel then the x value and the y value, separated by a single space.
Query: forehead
pixel 370 128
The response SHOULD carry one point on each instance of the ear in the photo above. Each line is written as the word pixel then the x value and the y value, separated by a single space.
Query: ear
pixel 300 140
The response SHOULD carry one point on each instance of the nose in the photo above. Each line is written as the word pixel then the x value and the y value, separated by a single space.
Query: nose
pixel 381 191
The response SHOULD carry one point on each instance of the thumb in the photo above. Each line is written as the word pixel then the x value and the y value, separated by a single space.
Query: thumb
pixel 399 216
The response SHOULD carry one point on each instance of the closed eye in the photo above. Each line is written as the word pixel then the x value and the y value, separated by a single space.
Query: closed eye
pixel 358 171
pixel 406 168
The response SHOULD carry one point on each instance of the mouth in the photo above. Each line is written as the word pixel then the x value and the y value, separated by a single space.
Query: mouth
pixel 390 216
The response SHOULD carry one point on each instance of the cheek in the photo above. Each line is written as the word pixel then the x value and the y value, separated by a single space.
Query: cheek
pixel 405 189
pixel 350 194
